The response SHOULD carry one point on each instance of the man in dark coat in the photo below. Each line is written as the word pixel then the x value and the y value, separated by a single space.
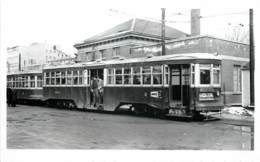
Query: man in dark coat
pixel 9 96
pixel 14 98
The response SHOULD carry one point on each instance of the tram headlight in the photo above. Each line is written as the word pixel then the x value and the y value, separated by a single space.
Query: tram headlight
pixel 217 93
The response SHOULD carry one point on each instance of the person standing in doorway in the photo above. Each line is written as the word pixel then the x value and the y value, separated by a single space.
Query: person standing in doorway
pixel 94 90
pixel 100 91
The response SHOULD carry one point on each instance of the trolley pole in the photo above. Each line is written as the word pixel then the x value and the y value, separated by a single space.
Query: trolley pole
pixel 163 31
pixel 252 58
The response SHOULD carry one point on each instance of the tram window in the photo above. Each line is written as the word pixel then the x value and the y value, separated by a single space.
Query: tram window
pixel 52 78
pixel 9 82
pixel 39 81
pixel 185 80
pixel 192 74
pixel 47 79
pixel 75 77
pixel 216 76
pixel 88 79
pixel 63 78
pixel 58 78
pixel 166 71
pixel 185 76
pixel 204 76
pixel 119 77
pixel 16 82
pixel 110 76
pixel 26 82
pixel 32 81
pixel 157 75
pixel 146 75
pixel 136 75
pixel 21 82
pixel 175 76
pixel 127 75
pixel 69 77
pixel 80 77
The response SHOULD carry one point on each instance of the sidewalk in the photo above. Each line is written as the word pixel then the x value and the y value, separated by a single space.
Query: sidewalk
pixel 236 116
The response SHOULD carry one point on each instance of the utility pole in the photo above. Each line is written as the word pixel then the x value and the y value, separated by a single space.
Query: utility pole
pixel 252 58
pixel 252 70
pixel 163 31
pixel 20 62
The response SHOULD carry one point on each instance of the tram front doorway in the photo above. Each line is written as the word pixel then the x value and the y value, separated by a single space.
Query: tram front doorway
pixel 179 86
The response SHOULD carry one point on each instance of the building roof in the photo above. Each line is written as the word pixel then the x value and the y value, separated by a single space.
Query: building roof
pixel 138 27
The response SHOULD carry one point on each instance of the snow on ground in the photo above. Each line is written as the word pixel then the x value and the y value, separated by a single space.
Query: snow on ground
pixel 238 111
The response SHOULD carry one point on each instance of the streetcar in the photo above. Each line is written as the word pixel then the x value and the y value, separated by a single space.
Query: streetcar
pixel 178 85
pixel 174 85
pixel 27 85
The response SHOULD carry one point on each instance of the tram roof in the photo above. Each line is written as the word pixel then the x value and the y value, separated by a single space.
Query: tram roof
pixel 25 72
pixel 184 57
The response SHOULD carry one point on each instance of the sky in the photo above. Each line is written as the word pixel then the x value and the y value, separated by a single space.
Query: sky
pixel 65 23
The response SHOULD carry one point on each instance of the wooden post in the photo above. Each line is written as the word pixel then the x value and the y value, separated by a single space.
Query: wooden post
pixel 252 58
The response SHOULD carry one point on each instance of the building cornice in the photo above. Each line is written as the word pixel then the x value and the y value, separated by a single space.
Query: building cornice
pixel 120 36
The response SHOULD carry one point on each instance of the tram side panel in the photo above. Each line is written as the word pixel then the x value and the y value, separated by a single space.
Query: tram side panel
pixel 29 93
pixel 64 94
pixel 156 97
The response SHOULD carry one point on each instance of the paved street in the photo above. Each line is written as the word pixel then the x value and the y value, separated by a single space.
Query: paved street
pixel 30 127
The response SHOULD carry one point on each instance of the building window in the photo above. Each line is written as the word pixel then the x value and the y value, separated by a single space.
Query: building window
pixel 116 51
pixel 237 78
pixel 102 54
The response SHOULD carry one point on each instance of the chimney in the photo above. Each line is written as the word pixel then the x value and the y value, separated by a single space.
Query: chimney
pixel 195 22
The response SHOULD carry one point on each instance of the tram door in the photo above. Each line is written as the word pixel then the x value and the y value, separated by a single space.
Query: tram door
pixel 179 85
pixel 96 73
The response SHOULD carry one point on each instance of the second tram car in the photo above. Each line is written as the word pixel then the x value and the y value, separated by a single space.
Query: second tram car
pixel 27 85
pixel 177 85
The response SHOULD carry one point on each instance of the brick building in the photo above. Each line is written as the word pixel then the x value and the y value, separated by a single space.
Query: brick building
pixel 119 40
pixel 235 57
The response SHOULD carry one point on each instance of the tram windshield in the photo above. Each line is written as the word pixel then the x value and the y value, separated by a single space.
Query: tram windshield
pixel 209 74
